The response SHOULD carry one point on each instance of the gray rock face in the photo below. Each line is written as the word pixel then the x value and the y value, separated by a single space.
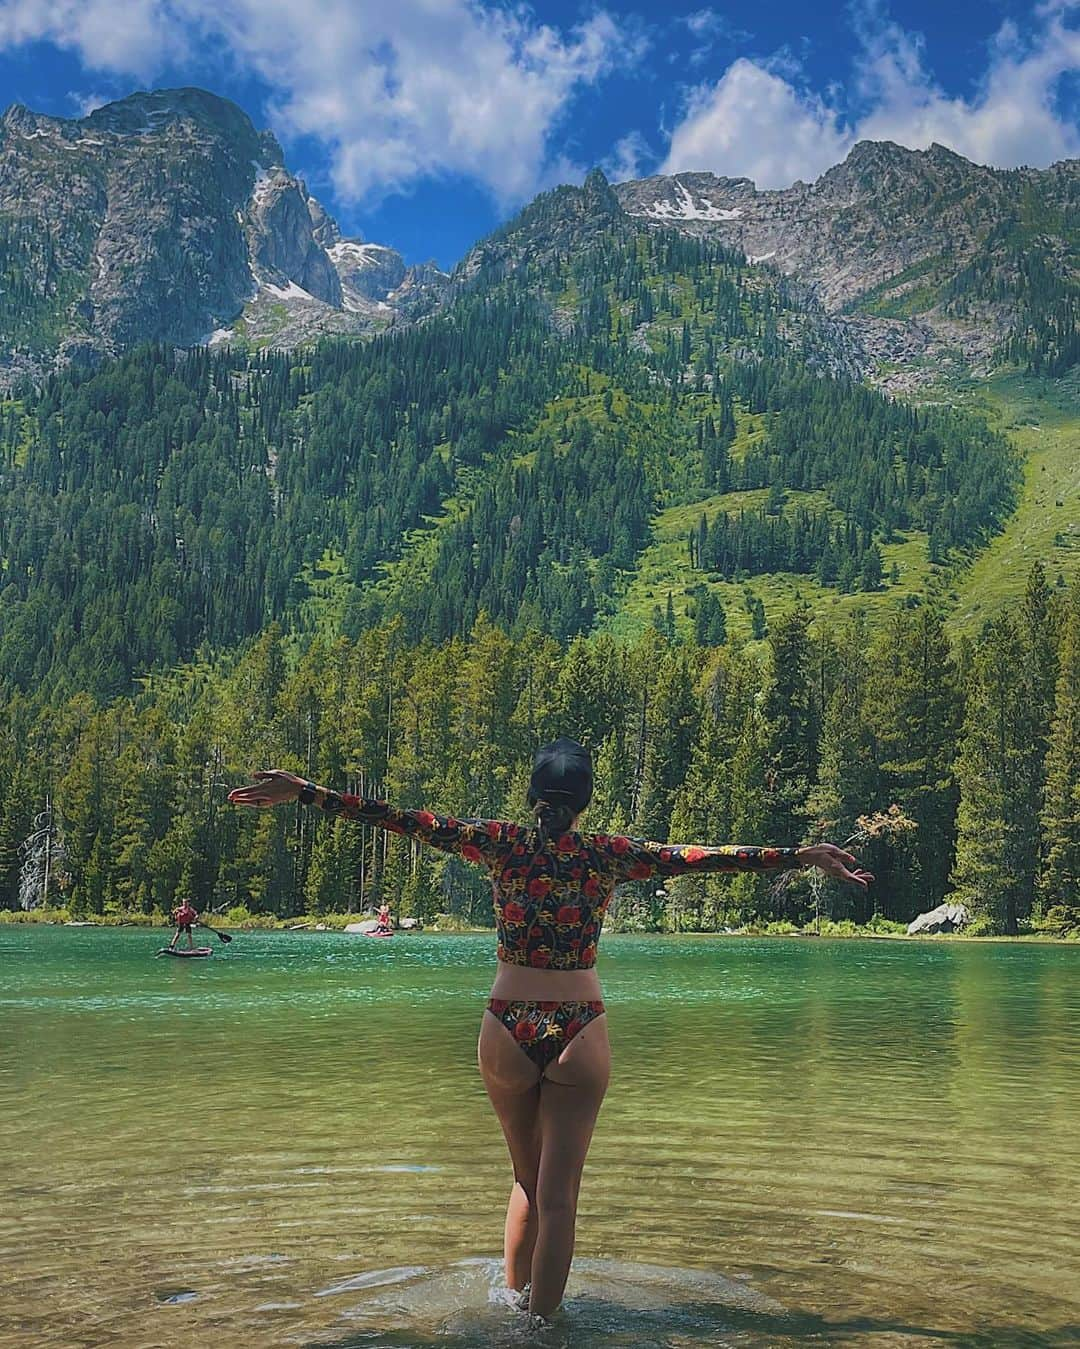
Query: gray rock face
pixel 885 237
pixel 168 217
pixel 324 228
pixel 140 203
pixel 367 271
pixel 281 238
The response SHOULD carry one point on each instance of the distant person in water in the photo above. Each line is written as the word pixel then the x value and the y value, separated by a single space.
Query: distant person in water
pixel 385 921
pixel 184 916
pixel 543 1049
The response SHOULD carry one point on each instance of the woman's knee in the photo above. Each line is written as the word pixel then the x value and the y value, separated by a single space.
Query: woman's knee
pixel 527 1185
pixel 555 1203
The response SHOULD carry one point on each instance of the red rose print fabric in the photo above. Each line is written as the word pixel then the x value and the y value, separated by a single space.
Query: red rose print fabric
pixel 544 1029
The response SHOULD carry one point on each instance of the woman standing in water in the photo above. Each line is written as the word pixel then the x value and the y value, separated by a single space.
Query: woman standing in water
pixel 543 1051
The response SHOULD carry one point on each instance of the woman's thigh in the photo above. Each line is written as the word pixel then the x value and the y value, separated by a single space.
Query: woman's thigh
pixel 570 1099
pixel 512 1082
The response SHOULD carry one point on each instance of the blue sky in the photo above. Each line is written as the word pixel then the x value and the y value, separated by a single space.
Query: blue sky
pixel 424 123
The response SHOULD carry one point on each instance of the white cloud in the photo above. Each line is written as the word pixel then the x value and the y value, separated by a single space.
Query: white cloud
pixel 85 102
pixel 628 159
pixel 396 91
pixel 758 120
pixel 756 124
pixel 124 36
pixel 703 21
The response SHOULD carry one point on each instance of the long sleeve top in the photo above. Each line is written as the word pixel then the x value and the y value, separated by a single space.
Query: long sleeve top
pixel 551 895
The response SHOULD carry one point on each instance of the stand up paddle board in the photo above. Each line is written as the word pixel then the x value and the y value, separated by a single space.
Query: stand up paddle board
pixel 187 952
pixel 378 934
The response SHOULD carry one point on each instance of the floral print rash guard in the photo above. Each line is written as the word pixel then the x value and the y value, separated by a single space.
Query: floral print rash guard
pixel 551 897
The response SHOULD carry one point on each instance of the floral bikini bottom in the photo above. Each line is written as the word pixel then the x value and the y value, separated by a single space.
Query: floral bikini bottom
pixel 544 1029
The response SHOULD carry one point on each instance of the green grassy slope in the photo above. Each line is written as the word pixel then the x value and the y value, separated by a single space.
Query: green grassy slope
pixel 665 566
pixel 1043 420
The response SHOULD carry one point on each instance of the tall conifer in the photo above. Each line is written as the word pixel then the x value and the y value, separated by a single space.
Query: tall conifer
pixel 1059 889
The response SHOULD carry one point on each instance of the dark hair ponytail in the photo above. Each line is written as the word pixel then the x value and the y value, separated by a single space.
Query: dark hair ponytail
pixel 552 818
pixel 560 787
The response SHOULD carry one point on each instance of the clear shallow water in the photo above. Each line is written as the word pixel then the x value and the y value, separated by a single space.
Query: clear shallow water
pixel 288 1144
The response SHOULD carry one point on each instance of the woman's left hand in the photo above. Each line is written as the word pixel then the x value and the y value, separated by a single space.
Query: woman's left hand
pixel 274 787
pixel 835 862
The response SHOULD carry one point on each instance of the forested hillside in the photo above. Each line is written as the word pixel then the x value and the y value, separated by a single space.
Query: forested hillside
pixel 168 501
pixel 396 565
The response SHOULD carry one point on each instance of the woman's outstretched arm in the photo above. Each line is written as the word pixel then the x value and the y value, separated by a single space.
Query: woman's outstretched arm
pixel 473 840
pixel 637 859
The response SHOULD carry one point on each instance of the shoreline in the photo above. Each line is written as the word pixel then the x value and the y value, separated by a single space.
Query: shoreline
pixel 19 919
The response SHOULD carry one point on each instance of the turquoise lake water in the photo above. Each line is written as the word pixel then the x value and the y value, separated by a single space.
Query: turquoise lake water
pixel 805 1142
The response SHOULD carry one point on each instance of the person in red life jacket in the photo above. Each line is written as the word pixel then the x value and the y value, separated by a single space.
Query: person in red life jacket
pixel 385 922
pixel 184 916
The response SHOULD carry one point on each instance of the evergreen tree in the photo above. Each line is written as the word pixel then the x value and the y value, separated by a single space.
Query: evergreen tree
pixel 915 707
pixel 328 886
pixel 1059 889
pixel 994 775
pixel 702 811
pixel 848 780
pixel 670 733
pixel 710 622
pixel 751 808
pixel 1039 634
pixel 793 727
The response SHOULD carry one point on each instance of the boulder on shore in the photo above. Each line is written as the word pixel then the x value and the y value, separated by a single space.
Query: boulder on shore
pixel 367 925
pixel 945 918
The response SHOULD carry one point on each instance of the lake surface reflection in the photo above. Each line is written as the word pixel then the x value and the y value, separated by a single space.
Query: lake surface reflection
pixel 805 1142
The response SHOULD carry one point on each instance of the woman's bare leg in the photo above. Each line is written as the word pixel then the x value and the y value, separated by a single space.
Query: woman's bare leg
pixel 571 1094
pixel 513 1084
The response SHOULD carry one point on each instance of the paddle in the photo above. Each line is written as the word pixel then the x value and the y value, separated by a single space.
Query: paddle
pixel 221 936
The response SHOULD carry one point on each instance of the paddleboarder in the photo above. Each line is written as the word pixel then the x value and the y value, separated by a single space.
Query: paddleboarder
pixel 385 923
pixel 184 916
pixel 543 1049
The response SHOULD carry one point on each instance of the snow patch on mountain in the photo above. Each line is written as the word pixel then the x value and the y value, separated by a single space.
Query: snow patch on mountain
pixel 686 208
pixel 290 292
pixel 350 251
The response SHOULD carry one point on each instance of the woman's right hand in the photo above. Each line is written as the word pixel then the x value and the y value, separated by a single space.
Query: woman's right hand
pixel 835 862
pixel 274 787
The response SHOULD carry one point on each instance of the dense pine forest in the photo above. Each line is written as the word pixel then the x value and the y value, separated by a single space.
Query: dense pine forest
pixel 388 566
pixel 951 771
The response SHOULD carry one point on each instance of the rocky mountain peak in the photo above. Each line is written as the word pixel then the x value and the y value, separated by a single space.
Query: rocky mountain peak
pixel 869 165
pixel 170 217
pixel 324 228
pixel 18 117
pixel 598 191
pixel 154 111
pixel 566 218
pixel 941 154
pixel 915 251
pixel 876 154
pixel 878 169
